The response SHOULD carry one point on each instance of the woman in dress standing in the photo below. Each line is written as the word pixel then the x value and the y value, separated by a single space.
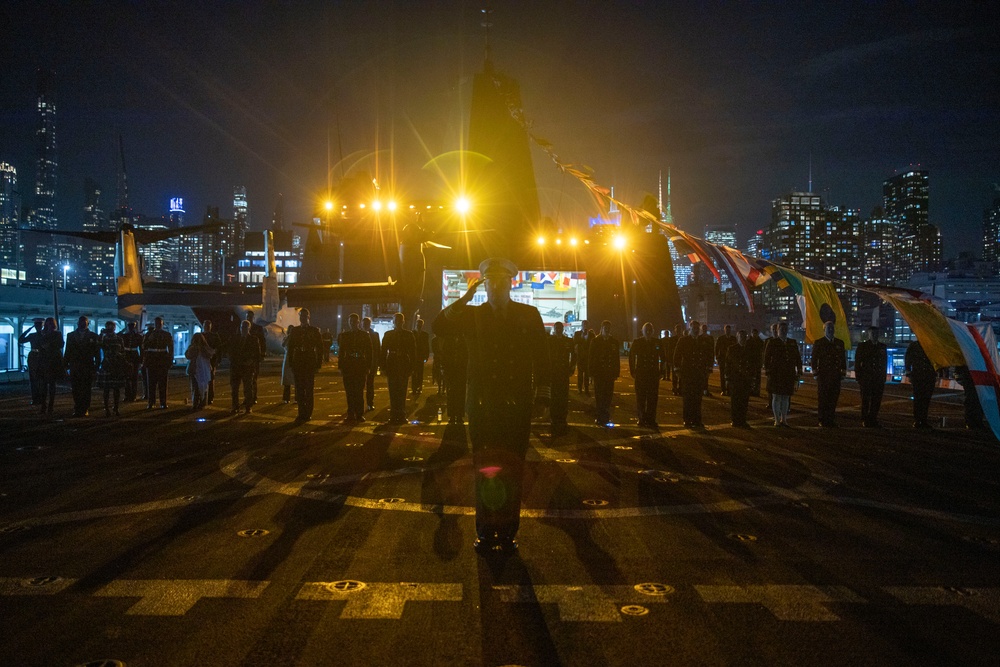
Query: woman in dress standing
pixel 199 369
pixel 783 365
pixel 114 367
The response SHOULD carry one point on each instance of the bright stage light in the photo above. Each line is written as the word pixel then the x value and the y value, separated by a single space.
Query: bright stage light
pixel 376 205
pixel 541 240
pixel 391 205
pixel 462 205
pixel 328 205
pixel 620 242
pixel 572 241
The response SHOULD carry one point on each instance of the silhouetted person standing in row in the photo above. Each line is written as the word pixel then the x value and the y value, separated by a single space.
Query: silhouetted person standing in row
pixel 33 337
pixel 132 341
pixel 244 355
pixel 157 358
pixel 707 343
pixel 581 340
pixel 605 367
pixel 923 378
pixel 83 356
pixel 114 366
pixel 829 366
pixel 756 346
pixel 366 324
pixel 399 352
pixel 741 366
pixel 51 367
pixel 670 372
pixel 562 357
pixel 870 362
pixel 689 363
pixel 422 342
pixel 722 345
pixel 214 341
pixel 257 332
pixel 354 359
pixel 508 361
pixel 305 349
pixel 645 362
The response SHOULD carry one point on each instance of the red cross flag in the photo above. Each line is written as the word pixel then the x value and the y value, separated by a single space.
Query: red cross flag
pixel 979 347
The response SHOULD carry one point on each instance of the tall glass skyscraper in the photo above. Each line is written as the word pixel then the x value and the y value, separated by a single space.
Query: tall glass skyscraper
pixel 43 214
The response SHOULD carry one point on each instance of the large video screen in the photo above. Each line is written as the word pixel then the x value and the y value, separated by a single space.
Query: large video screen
pixel 560 296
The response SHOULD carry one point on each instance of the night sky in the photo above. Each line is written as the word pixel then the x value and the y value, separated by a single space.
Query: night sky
pixel 733 97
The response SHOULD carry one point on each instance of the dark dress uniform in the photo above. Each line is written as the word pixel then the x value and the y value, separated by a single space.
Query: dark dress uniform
pixel 707 344
pixel 756 346
pixel 782 361
pixel 244 355
pixel 454 366
pixel 157 357
pixel 83 357
pixel 869 370
pixel 33 337
pixel 372 370
pixel 722 345
pixel 645 361
pixel 132 340
pixel 605 367
pixel 399 352
pixel 354 359
pixel 669 347
pixel 689 362
pixel 257 332
pixel 582 342
pixel 923 377
pixel 829 364
pixel 305 353
pixel 422 342
pixel 51 367
pixel 562 357
pixel 741 367
pixel 507 354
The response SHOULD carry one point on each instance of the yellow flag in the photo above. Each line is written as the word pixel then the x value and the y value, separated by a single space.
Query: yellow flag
pixel 823 305
pixel 932 330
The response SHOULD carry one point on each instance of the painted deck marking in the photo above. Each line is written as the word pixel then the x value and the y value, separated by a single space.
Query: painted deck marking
pixel 579 603
pixel 380 600
pixel 787 603
pixel 175 597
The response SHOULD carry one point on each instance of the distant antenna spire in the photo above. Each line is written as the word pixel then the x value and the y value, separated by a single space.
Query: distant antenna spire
pixel 614 206
pixel 487 24
pixel 666 215
pixel 122 176
pixel 810 171
pixel 659 195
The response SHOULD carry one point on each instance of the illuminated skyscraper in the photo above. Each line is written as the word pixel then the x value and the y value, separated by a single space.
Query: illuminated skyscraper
pixel 722 235
pixel 43 215
pixel 754 243
pixel 10 214
pixel 96 260
pixel 241 218
pixel 200 253
pixel 905 199
pixel 991 232
pixel 878 248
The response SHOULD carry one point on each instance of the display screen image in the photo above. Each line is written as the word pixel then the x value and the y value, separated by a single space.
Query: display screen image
pixel 560 296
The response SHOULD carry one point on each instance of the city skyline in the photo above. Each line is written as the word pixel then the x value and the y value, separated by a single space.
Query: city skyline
pixel 215 98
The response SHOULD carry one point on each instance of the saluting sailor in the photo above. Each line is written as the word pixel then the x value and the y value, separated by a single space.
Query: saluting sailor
pixel 508 375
